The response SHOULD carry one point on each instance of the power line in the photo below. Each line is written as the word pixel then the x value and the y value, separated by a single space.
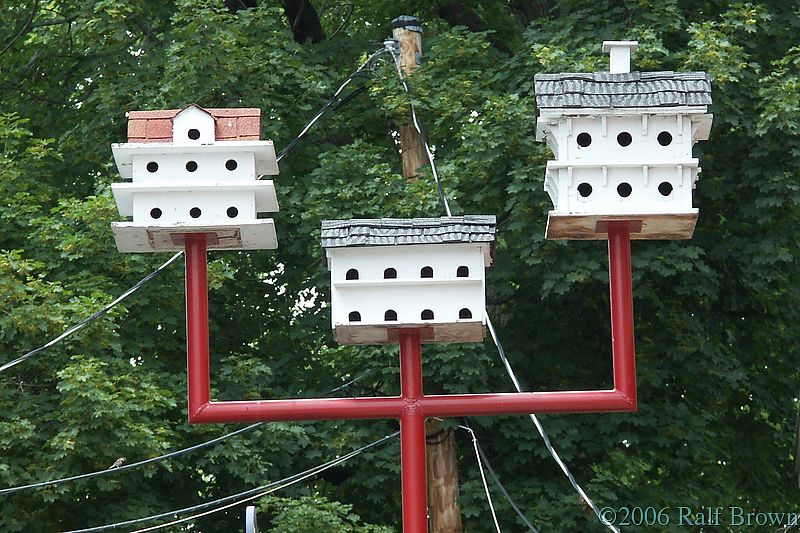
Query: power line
pixel 366 65
pixel 482 457
pixel 124 467
pixel 504 491
pixel 483 476
pixel 169 455
pixel 543 434
pixel 83 323
pixel 240 497
pixel 248 498
pixel 390 46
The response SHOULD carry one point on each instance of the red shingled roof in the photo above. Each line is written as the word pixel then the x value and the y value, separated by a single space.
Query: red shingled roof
pixel 231 124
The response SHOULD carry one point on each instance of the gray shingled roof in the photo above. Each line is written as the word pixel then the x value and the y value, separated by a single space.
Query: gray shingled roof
pixel 630 89
pixel 398 231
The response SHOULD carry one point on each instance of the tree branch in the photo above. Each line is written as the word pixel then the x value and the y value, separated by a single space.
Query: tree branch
pixel 456 14
pixel 24 30
pixel 146 29
pixel 306 26
pixel 234 6
pixel 350 7
pixel 54 22
pixel 529 10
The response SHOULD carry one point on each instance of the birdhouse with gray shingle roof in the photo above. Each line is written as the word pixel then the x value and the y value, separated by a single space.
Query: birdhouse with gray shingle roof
pixel 623 148
pixel 195 170
pixel 425 273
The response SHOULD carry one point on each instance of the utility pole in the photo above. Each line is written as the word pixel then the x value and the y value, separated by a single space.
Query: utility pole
pixel 408 32
pixel 442 469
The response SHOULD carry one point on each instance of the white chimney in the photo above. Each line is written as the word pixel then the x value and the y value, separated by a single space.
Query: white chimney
pixel 620 54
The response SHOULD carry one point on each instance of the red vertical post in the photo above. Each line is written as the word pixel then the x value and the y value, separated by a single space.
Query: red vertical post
pixel 412 435
pixel 622 340
pixel 197 322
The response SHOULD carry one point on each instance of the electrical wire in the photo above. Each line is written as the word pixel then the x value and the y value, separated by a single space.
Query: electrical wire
pixel 240 497
pixel 124 467
pixel 366 65
pixel 248 498
pixel 483 476
pixel 83 323
pixel 543 434
pixel 396 57
pixel 504 491
pixel 176 453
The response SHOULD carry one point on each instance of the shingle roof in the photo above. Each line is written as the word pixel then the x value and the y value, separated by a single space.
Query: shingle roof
pixel 630 89
pixel 399 231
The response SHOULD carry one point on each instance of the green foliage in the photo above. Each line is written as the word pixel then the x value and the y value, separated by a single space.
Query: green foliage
pixel 311 514
pixel 716 317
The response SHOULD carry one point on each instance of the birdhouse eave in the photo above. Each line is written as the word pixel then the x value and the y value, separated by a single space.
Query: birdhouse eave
pixel 266 160
pixel 698 114
pixel 266 199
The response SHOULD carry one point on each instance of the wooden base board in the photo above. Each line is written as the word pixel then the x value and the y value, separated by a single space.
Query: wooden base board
pixel 457 332
pixel 673 226
pixel 255 235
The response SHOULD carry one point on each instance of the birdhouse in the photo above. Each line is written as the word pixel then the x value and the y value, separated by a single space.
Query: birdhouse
pixel 622 143
pixel 195 170
pixel 425 273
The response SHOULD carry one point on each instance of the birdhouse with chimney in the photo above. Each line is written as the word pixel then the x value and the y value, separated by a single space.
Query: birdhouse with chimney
pixel 622 143
pixel 195 170
pixel 424 273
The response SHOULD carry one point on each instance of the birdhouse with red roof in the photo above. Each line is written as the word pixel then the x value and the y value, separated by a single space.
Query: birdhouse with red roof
pixel 622 143
pixel 195 170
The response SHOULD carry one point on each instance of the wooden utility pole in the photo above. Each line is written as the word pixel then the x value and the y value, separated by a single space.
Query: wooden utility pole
pixel 442 469
pixel 408 32
pixel 443 508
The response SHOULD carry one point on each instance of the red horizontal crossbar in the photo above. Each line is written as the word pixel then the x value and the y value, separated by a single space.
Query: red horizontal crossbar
pixel 393 406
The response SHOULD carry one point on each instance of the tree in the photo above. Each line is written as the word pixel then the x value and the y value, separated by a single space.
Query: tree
pixel 716 316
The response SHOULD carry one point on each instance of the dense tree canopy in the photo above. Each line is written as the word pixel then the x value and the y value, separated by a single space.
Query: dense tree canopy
pixel 717 317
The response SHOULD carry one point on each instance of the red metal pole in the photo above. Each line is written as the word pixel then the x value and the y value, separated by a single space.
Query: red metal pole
pixel 197 322
pixel 300 409
pixel 620 286
pixel 412 435
pixel 621 398
pixel 524 402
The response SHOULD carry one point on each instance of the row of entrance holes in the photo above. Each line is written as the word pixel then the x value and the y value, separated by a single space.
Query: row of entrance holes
pixel 425 272
pixel 195 212
pixel 624 189
pixel 191 166
pixel 391 315
pixel 624 139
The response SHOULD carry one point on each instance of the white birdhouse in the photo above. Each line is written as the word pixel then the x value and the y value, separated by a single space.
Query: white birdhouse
pixel 426 273
pixel 195 170
pixel 623 148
